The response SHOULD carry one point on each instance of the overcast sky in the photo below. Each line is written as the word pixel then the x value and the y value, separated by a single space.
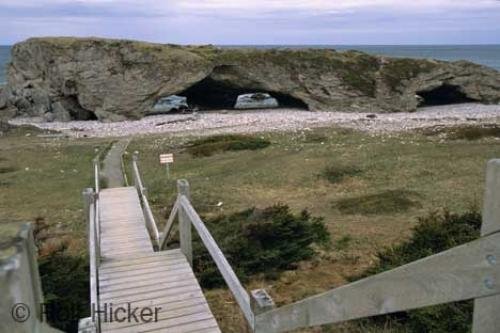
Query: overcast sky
pixel 257 21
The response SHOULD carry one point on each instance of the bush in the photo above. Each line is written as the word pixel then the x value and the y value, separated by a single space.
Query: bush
pixel 387 202
pixel 220 143
pixel 433 234
pixel 260 240
pixel 337 173
pixel 65 280
pixel 465 132
pixel 65 283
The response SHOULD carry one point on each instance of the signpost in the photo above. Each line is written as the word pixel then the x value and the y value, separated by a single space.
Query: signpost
pixel 167 159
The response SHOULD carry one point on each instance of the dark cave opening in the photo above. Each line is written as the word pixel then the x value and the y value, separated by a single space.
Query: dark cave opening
pixel 209 94
pixel 443 95
pixel 76 110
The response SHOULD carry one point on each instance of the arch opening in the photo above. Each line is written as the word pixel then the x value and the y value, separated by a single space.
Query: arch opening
pixel 443 95
pixel 209 94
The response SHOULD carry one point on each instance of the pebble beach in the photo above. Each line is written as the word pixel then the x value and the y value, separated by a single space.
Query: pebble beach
pixel 230 121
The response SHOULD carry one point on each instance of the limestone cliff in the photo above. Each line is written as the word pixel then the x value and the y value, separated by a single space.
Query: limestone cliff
pixel 71 78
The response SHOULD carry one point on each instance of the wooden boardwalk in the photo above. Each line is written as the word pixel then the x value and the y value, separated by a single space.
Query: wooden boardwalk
pixel 130 272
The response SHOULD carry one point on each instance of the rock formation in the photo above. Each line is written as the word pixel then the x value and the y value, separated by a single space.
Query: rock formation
pixel 70 78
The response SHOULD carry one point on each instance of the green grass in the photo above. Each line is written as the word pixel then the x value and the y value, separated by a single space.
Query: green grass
pixel 445 173
pixel 46 189
pixel 412 172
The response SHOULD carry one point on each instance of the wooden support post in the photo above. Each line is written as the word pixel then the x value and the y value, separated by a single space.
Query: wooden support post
pixel 185 223
pixel 260 301
pixel 486 310
pixel 88 198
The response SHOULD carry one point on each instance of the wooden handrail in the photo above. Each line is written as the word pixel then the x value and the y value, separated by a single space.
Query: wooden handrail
pixel 148 213
pixel 454 275
pixel 234 284
pixel 258 301
pixel 91 201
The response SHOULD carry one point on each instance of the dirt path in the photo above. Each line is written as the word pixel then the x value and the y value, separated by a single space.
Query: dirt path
pixel 112 164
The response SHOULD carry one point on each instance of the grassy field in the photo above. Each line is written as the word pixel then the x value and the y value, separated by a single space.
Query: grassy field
pixel 41 179
pixel 369 189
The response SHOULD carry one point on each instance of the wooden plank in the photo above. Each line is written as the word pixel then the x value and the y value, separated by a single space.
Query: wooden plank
pixel 486 318
pixel 139 288
pixel 165 282
pixel 172 299
pixel 189 327
pixel 454 275
pixel 143 258
pixel 162 316
pixel 144 277
pixel 123 253
pixel 141 266
pixel 225 269
pixel 167 323
pixel 164 295
pixel 142 272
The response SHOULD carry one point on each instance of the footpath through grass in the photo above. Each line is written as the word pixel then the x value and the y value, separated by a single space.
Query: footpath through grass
pixel 369 190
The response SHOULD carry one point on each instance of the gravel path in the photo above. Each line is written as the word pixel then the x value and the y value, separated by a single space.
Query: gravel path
pixel 112 164
pixel 279 120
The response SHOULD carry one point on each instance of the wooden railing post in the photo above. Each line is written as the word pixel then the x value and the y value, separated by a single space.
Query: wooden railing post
pixel 486 310
pixel 260 302
pixel 185 223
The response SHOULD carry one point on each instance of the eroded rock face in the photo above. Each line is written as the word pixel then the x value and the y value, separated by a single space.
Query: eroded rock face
pixel 111 80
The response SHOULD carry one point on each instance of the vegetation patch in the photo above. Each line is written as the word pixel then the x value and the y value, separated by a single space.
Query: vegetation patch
pixel 220 143
pixel 260 241
pixel 312 137
pixel 434 233
pixel 397 70
pixel 65 281
pixel 387 202
pixel 8 169
pixel 465 132
pixel 335 173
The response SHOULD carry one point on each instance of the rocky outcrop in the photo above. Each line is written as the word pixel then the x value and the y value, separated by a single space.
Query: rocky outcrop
pixel 70 78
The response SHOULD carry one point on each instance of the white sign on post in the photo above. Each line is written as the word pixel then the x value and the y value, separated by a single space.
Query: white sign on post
pixel 167 159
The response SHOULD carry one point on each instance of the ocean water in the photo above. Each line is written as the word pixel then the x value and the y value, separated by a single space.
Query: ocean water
pixel 488 55
pixel 4 59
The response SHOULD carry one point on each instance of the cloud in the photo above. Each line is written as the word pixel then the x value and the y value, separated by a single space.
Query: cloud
pixel 257 21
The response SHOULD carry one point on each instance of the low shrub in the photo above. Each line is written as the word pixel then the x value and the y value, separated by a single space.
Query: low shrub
pixel 220 143
pixel 466 132
pixel 260 241
pixel 65 280
pixel 387 202
pixel 312 137
pixel 8 169
pixel 434 233
pixel 65 283
pixel 336 173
